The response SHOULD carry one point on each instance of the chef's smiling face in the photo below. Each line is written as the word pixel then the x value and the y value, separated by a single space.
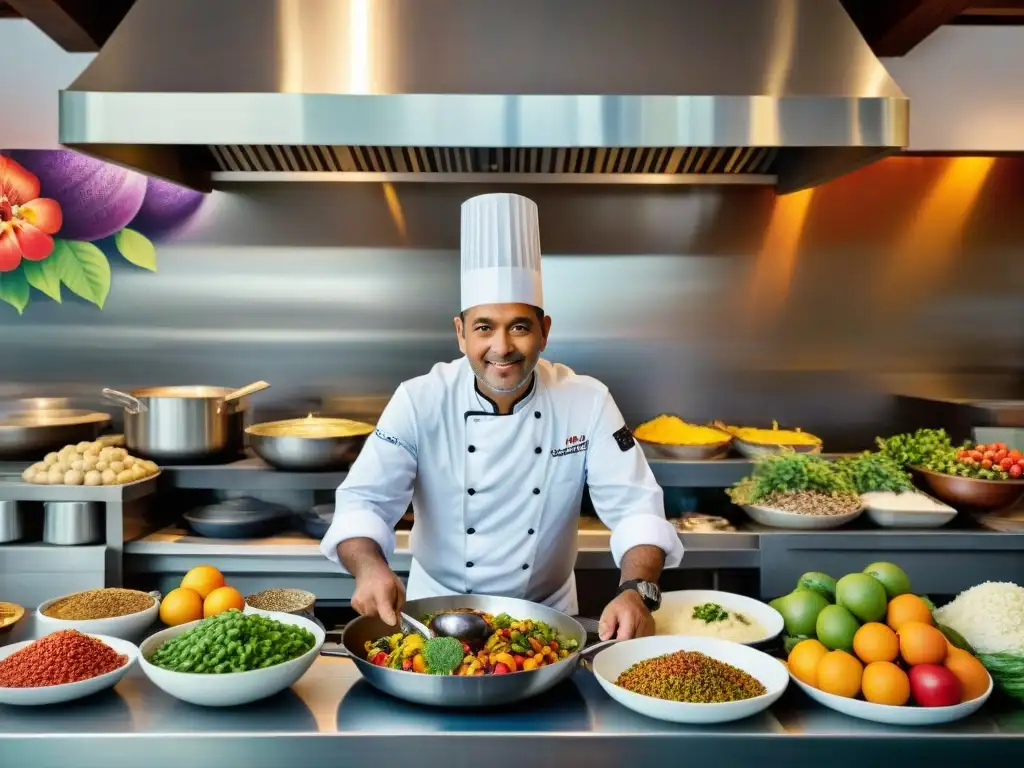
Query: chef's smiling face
pixel 503 343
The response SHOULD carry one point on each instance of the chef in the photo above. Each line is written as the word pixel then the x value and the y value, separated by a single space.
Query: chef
pixel 494 449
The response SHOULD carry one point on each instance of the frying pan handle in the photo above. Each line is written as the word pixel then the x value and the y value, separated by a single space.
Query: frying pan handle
pixel 131 404
pixel 585 659
pixel 341 652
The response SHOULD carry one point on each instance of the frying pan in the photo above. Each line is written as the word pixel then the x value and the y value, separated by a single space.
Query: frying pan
pixel 452 691
pixel 33 433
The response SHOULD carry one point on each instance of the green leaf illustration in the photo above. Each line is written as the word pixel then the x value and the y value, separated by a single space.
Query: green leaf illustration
pixel 83 269
pixel 14 289
pixel 44 276
pixel 136 248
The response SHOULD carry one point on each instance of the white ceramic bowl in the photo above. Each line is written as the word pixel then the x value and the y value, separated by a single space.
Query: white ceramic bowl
pixel 232 689
pixel 58 694
pixel 616 659
pixel 795 521
pixel 132 627
pixel 885 515
pixel 762 613
pixel 890 715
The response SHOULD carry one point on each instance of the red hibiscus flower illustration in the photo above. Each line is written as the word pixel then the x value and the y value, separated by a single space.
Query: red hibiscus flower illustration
pixel 27 221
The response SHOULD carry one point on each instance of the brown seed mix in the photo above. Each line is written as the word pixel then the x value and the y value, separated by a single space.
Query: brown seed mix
pixel 813 503
pixel 285 600
pixel 692 677
pixel 99 604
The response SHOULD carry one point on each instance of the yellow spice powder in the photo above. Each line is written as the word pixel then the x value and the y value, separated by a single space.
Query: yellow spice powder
pixel 671 430
pixel 774 436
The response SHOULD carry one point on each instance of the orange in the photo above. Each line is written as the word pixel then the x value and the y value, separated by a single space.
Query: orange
pixel 885 683
pixel 922 643
pixel 839 673
pixel 223 599
pixel 181 606
pixel 969 671
pixel 803 661
pixel 203 579
pixel 876 642
pixel 904 608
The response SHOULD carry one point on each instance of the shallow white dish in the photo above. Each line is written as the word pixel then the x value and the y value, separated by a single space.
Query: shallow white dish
pixel 58 694
pixel 890 715
pixel 762 613
pixel 777 518
pixel 131 627
pixel 888 516
pixel 616 659
pixel 233 689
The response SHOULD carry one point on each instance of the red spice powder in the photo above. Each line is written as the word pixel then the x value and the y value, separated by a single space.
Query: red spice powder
pixel 63 657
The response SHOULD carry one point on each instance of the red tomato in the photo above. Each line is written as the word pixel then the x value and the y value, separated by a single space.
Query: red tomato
pixel 990 455
pixel 969 461
pixel 1000 454
pixel 986 463
pixel 1005 464
pixel 501 669
pixel 1000 446
pixel 1015 454
pixel 1020 462
pixel 981 447
pixel 977 455
pixel 961 455
pixel 932 685
pixel 1016 471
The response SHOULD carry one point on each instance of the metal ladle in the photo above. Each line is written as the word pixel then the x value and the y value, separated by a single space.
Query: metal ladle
pixel 470 628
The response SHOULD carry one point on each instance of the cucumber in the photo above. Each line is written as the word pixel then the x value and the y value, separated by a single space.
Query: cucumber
pixel 821 583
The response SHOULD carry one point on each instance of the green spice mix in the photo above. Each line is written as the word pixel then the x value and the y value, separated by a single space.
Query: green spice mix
pixel 692 677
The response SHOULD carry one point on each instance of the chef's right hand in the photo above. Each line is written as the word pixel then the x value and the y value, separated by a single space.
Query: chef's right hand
pixel 379 592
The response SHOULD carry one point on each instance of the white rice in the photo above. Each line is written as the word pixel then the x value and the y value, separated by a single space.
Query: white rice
pixel 990 616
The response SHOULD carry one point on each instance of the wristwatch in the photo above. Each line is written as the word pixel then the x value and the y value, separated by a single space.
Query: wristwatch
pixel 649 591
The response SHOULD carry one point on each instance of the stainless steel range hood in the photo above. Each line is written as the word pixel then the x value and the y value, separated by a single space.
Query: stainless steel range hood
pixel 674 91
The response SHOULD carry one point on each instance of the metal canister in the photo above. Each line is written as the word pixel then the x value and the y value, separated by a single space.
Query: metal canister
pixel 71 523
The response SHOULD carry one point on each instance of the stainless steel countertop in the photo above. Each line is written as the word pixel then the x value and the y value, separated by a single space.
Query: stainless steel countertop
pixel 332 715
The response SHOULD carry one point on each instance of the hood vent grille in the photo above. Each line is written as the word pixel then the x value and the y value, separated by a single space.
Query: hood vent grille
pixel 274 158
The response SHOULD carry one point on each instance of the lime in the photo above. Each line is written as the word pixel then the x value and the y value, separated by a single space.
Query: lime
pixel 799 610
pixel 863 595
pixel 836 627
pixel 821 583
pixel 893 578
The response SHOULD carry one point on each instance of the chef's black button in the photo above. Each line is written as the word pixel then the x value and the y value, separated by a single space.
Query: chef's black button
pixel 538 449
pixel 471 491
pixel 469 564
pixel 536 491
pixel 536 414
pixel 530 531
pixel 525 567
pixel 472 448
pixel 471 531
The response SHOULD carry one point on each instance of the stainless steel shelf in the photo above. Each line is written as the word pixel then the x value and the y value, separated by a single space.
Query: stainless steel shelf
pixel 248 474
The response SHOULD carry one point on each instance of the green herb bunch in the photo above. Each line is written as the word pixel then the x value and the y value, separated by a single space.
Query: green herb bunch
pixel 917 449
pixel 789 473
pixel 870 472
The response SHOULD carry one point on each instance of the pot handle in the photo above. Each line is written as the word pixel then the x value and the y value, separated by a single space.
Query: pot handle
pixel 341 651
pixel 131 404
pixel 585 659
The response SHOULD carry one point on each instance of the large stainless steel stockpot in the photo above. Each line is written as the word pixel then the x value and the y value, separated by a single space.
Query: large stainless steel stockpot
pixel 176 425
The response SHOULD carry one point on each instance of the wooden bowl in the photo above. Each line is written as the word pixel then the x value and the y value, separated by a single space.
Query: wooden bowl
pixel 972 492
pixel 10 614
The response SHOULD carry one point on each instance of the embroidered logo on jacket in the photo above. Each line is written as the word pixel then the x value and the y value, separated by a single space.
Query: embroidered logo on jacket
pixel 573 444
pixel 624 439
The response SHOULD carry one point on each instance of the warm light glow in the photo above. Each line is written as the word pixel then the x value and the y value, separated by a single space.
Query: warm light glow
pixel 290 30
pixel 359 74
pixel 395 209
pixel 925 249
pixel 772 277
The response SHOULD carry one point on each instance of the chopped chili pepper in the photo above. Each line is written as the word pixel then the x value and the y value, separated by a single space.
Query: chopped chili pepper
pixel 380 659
pixel 500 669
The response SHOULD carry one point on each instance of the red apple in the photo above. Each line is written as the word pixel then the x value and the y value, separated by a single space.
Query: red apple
pixel 932 685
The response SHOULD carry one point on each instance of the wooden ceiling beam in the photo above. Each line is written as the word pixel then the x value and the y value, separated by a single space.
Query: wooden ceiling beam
pixel 78 26
pixel 894 27
pixel 7 12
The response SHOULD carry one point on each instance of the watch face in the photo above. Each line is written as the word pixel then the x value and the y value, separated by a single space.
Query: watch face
pixel 648 591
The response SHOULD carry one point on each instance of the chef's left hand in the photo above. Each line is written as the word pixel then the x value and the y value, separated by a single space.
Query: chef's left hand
pixel 626 617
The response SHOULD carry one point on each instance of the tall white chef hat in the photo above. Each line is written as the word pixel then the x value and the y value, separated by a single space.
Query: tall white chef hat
pixel 500 251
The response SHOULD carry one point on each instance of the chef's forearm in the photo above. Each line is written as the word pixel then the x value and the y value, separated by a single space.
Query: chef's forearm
pixel 360 556
pixel 643 562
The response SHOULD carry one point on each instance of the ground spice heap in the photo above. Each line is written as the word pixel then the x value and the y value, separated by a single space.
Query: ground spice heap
pixel 99 604
pixel 278 599
pixel 64 657
pixel 692 677
pixel 813 502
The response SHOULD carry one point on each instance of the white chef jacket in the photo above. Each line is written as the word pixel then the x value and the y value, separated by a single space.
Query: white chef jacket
pixel 496 498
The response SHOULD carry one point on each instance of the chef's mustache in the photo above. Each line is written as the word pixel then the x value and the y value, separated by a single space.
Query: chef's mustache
pixel 516 358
